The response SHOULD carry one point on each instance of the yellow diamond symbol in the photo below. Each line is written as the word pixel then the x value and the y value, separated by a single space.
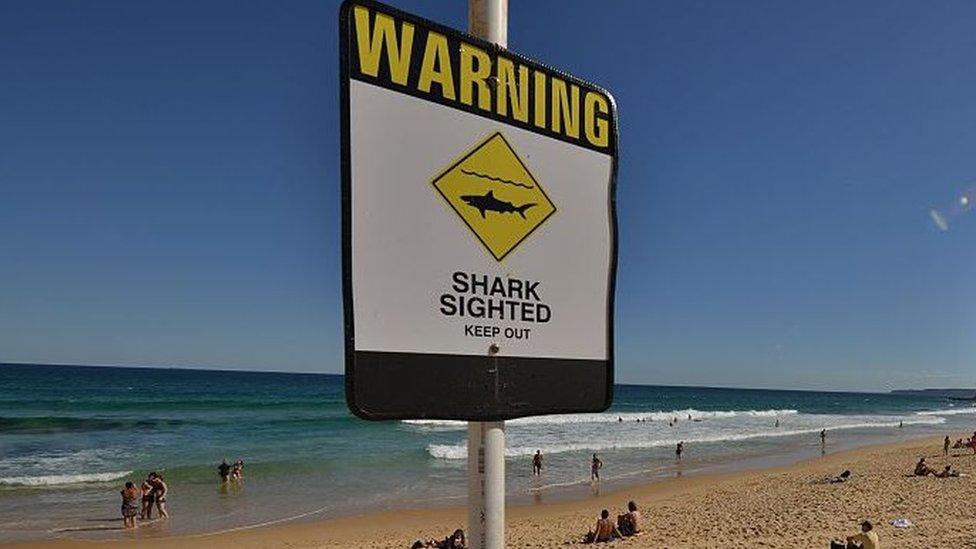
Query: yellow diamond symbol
pixel 495 195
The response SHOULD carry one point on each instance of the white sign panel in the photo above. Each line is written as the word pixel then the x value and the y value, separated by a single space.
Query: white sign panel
pixel 479 226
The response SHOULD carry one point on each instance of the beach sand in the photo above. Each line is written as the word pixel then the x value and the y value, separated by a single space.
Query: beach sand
pixel 780 507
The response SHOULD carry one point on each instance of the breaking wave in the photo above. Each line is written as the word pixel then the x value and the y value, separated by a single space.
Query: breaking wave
pixel 948 412
pixel 600 441
pixel 57 480
pixel 609 417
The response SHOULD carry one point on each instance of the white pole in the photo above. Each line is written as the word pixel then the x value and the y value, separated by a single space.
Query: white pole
pixel 493 433
pixel 476 486
pixel 487 19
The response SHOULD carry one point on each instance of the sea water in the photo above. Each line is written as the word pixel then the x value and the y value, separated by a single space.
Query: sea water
pixel 71 436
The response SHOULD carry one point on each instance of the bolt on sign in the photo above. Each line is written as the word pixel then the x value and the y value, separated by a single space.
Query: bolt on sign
pixel 479 232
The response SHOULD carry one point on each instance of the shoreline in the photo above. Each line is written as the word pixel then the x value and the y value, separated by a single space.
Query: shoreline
pixel 670 505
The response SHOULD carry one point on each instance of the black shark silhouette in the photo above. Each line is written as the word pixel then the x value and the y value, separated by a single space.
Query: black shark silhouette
pixel 488 203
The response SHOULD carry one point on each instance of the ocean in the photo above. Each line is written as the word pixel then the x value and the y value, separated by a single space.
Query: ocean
pixel 71 436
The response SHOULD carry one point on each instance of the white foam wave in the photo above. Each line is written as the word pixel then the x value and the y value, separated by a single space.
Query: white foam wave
pixel 57 480
pixel 592 444
pixel 609 417
pixel 949 412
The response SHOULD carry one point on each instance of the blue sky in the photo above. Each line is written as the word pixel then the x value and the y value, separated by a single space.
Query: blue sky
pixel 169 184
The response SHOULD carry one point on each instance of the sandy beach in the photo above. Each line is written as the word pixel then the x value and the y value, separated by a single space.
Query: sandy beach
pixel 781 507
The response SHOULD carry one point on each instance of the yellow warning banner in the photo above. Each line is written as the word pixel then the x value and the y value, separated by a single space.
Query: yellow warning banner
pixel 400 52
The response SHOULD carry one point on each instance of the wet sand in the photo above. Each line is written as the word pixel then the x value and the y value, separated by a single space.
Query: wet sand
pixel 787 506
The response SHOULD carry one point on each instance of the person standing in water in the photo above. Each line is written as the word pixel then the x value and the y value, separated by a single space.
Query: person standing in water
pixel 595 466
pixel 130 504
pixel 678 449
pixel 537 464
pixel 160 489
pixel 823 437
pixel 237 471
pixel 224 471
pixel 147 498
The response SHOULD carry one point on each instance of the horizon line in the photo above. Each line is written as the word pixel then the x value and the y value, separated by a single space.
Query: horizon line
pixel 235 370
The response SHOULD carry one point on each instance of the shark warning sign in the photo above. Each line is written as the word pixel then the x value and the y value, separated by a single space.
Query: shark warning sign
pixel 495 195
pixel 479 230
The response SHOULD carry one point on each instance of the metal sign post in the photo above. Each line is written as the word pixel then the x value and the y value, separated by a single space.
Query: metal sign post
pixel 487 19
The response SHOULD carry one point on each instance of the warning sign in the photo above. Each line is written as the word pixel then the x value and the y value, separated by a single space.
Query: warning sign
pixel 495 195
pixel 479 236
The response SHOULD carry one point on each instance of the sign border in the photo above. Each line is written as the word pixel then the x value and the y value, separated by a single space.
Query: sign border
pixel 346 204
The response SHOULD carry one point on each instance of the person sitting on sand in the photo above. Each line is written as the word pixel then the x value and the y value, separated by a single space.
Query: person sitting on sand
pixel 605 530
pixel 922 469
pixel 958 444
pixel 867 539
pixel 629 523
pixel 946 473
pixel 130 504
pixel 454 541
pixel 147 498
pixel 843 477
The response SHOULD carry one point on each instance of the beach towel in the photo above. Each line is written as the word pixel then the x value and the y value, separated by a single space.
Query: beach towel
pixel 901 523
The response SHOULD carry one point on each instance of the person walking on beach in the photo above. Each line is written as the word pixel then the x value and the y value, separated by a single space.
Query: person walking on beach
pixel 223 470
pixel 945 446
pixel 130 504
pixel 147 498
pixel 678 449
pixel 537 464
pixel 160 489
pixel 595 466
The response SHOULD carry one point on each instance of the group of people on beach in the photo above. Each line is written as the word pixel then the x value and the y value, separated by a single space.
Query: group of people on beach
pixel 141 500
pixel 923 470
pixel 628 524
pixel 595 465
pixel 960 443
pixel 595 462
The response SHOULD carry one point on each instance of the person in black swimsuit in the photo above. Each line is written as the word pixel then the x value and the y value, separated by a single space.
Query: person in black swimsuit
pixel 223 470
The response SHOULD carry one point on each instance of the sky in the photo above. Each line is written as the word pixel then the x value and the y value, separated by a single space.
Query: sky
pixel 169 184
